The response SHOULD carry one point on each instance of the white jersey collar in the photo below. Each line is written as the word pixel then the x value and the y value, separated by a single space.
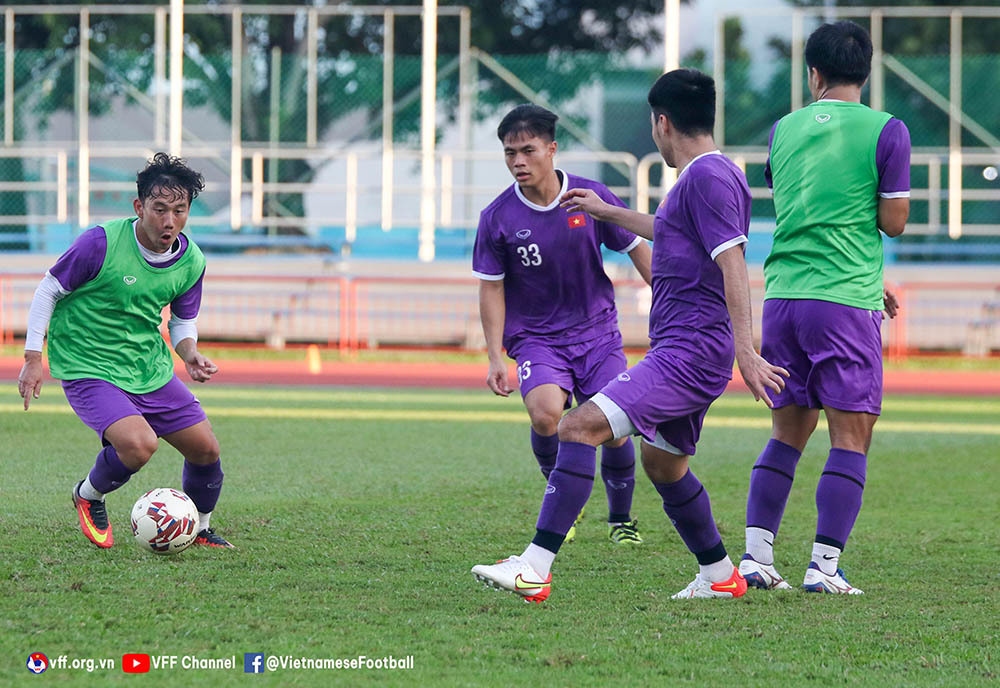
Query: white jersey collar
pixel 551 206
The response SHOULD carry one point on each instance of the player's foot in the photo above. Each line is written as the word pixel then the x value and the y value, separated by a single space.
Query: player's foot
pixel 209 538
pixel 625 533
pixel 761 576
pixel 817 581
pixel 571 533
pixel 700 587
pixel 516 575
pixel 93 519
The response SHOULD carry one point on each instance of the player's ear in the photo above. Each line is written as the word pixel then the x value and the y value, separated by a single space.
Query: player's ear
pixel 814 78
pixel 663 123
pixel 137 207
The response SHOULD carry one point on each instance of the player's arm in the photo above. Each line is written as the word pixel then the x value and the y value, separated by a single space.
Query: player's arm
pixel 587 200
pixel 43 303
pixel 183 328
pixel 493 314
pixel 892 158
pixel 757 373
pixel 641 256
pixel 892 215
pixel 80 263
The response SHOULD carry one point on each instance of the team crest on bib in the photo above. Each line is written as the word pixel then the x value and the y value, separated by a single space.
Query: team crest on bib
pixel 129 280
pixel 823 118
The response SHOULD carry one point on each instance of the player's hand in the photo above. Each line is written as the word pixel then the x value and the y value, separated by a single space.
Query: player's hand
pixel 760 376
pixel 496 379
pixel 199 367
pixel 29 380
pixel 891 303
pixel 585 200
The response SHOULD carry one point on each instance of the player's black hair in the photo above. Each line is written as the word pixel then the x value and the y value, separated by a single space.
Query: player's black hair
pixel 532 120
pixel 687 98
pixel 167 172
pixel 841 52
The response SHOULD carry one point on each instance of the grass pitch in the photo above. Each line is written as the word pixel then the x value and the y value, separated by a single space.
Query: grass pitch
pixel 358 514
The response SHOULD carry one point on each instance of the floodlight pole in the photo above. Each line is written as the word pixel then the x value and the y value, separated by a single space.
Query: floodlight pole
pixel 671 35
pixel 428 131
pixel 176 75
pixel 671 61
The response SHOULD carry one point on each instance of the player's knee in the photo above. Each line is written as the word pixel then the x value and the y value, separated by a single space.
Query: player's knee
pixel 585 428
pixel 663 467
pixel 545 424
pixel 204 453
pixel 137 450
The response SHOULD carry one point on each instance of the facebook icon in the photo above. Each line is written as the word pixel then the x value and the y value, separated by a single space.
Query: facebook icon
pixel 253 662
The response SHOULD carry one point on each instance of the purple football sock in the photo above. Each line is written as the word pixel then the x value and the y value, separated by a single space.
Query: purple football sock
pixel 569 488
pixel 202 484
pixel 618 473
pixel 545 448
pixel 687 505
pixel 770 483
pixel 109 473
pixel 838 496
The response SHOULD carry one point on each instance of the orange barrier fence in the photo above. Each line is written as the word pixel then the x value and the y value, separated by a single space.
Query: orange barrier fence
pixel 366 312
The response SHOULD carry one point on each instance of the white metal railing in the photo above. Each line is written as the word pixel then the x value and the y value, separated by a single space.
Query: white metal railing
pixel 354 193
pixel 373 183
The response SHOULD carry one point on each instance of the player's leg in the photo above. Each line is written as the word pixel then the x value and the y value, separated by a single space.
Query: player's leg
pixel 128 442
pixel 594 366
pixel 838 499
pixel 544 380
pixel 848 383
pixel 793 420
pixel 179 419
pixel 687 505
pixel 569 487
pixel 202 476
pixel 618 474
pixel 545 404
pixel 770 484
pixel 665 398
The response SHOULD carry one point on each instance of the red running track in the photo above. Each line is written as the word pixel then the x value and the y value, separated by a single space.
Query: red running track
pixel 473 376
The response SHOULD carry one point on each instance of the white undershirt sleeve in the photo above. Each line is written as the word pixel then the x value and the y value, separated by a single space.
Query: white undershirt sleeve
pixel 181 329
pixel 47 294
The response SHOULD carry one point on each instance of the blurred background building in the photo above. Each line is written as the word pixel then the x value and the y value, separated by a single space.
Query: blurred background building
pixel 339 136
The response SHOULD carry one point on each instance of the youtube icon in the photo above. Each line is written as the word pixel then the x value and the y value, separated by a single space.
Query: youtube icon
pixel 135 663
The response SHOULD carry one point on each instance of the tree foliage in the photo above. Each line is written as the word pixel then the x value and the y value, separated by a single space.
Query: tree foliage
pixel 350 53
pixel 922 36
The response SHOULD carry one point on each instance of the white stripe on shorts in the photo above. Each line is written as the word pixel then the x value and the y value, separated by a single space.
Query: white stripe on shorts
pixel 622 426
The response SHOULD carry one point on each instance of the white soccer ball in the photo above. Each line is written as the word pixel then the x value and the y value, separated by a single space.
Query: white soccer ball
pixel 164 521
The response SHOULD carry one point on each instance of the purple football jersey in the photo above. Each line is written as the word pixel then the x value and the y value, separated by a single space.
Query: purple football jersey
pixel 550 260
pixel 706 212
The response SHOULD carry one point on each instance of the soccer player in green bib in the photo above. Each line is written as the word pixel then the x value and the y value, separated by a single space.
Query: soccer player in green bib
pixel 101 304
pixel 840 173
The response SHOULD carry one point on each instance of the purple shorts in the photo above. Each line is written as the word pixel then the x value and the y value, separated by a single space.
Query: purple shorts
pixel 579 369
pixel 99 403
pixel 665 396
pixel 833 354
